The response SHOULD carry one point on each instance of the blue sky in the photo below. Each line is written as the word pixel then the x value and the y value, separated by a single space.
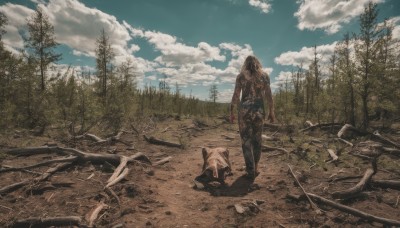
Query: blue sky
pixel 195 43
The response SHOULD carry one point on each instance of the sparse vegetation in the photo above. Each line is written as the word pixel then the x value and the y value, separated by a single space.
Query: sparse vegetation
pixel 90 128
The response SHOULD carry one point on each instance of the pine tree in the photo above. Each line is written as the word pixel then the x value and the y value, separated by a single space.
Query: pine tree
pixel 366 54
pixel 41 42
pixel 104 57
pixel 3 22
pixel 387 73
pixel 347 76
pixel 213 95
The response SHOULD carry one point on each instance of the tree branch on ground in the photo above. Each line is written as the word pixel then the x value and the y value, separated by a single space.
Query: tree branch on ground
pixel 312 204
pixel 355 212
pixel 354 191
pixel 155 141
pixel 49 221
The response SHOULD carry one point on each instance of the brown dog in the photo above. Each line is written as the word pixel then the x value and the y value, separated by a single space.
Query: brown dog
pixel 216 165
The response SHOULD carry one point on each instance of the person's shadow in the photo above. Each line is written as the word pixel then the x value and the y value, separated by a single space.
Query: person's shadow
pixel 240 187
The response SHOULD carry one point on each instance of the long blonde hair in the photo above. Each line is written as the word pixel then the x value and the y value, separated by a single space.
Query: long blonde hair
pixel 253 66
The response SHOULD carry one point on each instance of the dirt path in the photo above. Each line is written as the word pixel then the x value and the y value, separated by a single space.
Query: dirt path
pixel 184 206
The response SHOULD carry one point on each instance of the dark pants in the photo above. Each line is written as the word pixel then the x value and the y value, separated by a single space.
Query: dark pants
pixel 251 119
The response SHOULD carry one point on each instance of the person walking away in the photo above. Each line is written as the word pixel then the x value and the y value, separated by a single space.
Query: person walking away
pixel 254 84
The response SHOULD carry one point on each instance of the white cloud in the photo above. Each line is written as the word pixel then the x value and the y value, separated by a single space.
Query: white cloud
pixel 79 53
pixel 17 16
pixel 329 14
pixel 225 95
pixel 239 54
pixel 76 26
pixel 174 53
pixel 268 70
pixel 187 65
pixel 395 22
pixel 283 77
pixel 152 77
pixel 306 55
pixel 263 5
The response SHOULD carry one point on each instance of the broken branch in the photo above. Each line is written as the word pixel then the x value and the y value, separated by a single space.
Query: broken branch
pixel 42 177
pixel 312 204
pixel 353 211
pixel 155 141
pixel 351 192
pixel 95 213
pixel 325 125
pixel 119 178
pixel 333 155
pixel 162 161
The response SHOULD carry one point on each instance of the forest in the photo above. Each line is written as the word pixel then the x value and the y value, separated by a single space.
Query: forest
pixel 94 149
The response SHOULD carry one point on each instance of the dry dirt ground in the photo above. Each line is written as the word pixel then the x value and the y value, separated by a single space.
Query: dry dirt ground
pixel 166 196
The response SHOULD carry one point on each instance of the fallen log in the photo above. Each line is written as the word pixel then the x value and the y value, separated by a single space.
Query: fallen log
pixel 82 156
pixel 28 151
pixel 391 151
pixel 77 155
pixel 57 160
pixel 355 212
pixel 98 140
pixel 349 129
pixel 49 221
pixel 42 177
pixel 369 149
pixel 344 178
pixel 359 187
pixel 379 137
pixel 394 184
pixel 155 141
pixel 312 204
pixel 323 125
